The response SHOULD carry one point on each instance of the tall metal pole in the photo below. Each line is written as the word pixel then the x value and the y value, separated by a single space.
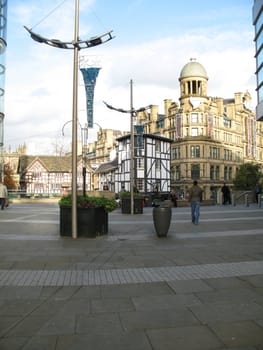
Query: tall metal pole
pixel 75 125
pixel 132 152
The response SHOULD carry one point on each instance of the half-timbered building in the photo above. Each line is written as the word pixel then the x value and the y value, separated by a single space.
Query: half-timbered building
pixel 152 163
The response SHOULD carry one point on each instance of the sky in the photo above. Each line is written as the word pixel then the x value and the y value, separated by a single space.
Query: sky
pixel 153 41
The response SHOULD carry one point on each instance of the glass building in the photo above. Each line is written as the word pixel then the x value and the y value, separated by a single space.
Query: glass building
pixel 258 24
pixel 3 25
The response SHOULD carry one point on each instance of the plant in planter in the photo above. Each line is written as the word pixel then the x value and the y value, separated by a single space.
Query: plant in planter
pixel 92 215
pixel 126 203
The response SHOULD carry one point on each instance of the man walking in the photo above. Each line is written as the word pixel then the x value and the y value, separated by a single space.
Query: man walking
pixel 3 195
pixel 195 197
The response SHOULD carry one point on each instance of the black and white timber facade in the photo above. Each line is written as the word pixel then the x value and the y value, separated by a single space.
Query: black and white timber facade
pixel 152 163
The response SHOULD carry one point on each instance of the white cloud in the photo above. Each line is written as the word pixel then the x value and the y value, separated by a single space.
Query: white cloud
pixel 39 88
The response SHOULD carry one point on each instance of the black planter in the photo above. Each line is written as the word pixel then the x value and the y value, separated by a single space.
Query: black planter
pixel 162 220
pixel 137 205
pixel 91 222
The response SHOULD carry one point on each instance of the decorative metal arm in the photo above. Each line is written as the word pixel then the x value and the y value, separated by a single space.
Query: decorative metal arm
pixel 127 111
pixel 80 44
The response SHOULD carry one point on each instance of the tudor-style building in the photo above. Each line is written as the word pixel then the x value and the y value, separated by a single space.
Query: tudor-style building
pixel 152 162
pixel 49 175
pixel 211 136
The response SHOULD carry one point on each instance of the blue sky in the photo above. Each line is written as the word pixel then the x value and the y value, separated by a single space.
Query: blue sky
pixel 153 41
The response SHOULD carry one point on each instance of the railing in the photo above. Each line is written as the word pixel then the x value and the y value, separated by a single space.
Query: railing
pixel 243 194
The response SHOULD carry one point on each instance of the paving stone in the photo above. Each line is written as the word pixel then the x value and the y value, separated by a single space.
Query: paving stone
pixel 242 295
pixel 239 333
pixel 41 343
pixel 111 305
pixel 228 312
pixel 105 341
pixel 18 307
pixel 28 326
pixel 189 286
pixel 98 324
pixel 162 302
pixel 138 289
pixel 227 282
pixel 157 319
pixel 184 338
pixel 13 343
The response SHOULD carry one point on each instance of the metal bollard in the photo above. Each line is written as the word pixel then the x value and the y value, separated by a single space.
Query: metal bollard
pixel 233 200
pixel 246 200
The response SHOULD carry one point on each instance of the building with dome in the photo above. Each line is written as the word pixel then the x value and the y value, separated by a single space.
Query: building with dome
pixel 212 136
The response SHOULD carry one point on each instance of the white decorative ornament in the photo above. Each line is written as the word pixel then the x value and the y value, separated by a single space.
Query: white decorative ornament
pixel 195 102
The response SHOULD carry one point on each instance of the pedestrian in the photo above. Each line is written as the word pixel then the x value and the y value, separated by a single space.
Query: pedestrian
pixel 257 191
pixel 173 198
pixel 3 195
pixel 195 197
pixel 226 194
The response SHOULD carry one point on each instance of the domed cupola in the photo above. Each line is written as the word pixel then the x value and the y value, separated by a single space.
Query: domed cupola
pixel 193 80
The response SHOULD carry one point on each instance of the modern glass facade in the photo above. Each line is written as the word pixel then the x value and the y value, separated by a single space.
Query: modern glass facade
pixel 258 24
pixel 3 25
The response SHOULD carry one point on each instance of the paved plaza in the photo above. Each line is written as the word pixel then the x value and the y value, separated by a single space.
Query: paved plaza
pixel 199 288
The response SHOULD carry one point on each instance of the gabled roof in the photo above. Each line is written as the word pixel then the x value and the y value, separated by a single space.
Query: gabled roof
pixel 51 163
pixel 107 167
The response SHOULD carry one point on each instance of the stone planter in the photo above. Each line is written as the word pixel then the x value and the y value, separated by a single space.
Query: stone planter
pixel 162 220
pixel 137 205
pixel 91 222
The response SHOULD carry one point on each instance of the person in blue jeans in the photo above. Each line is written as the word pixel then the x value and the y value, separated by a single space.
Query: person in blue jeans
pixel 195 197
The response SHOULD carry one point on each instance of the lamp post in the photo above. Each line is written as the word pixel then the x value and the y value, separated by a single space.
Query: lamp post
pixel 76 45
pixel 132 113
pixel 84 138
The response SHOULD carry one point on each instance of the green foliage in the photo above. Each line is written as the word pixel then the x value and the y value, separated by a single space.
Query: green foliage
pixel 109 204
pixel 128 195
pixel 247 176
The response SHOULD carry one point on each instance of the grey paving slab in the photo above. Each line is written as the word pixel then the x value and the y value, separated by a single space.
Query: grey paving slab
pixel 227 312
pixel 238 334
pixel 157 319
pixel 201 288
pixel 184 338
pixel 162 302
pixel 135 340
pixel 98 324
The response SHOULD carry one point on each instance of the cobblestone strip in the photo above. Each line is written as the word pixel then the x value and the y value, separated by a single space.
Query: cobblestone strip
pixel 129 275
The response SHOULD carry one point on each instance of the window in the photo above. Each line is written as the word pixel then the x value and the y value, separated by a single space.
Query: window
pixel 177 173
pixel 217 172
pixel 212 172
pixel 158 146
pixel 214 152
pixel 158 165
pixel 195 171
pixel 194 117
pixel 176 153
pixel 227 122
pixel 195 151
pixel 194 131
pixel 140 163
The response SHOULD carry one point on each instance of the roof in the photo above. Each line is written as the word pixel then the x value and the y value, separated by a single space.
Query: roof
pixel 51 163
pixel 193 69
pixel 106 167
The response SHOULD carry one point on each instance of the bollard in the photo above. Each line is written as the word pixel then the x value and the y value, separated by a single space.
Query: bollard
pixel 259 200
pixel 246 200
pixel 233 200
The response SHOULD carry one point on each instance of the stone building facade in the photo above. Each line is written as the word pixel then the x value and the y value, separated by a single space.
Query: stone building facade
pixel 211 136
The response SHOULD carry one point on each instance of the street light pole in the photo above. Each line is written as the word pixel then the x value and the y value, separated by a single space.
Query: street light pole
pixel 132 151
pixel 74 180
pixel 133 112
pixel 77 45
